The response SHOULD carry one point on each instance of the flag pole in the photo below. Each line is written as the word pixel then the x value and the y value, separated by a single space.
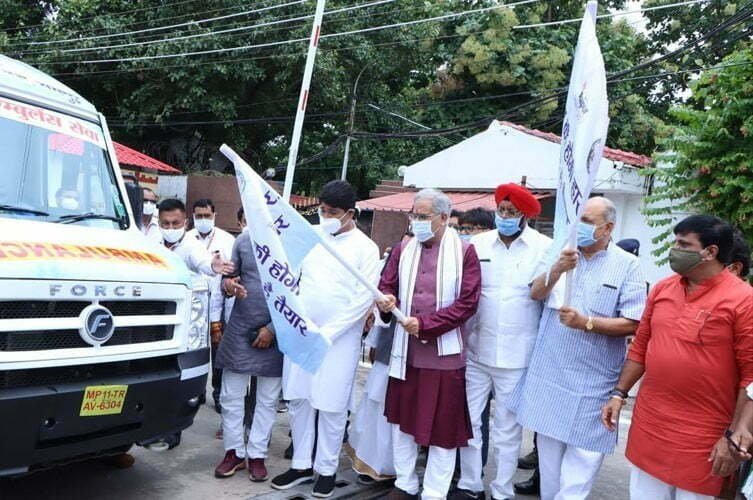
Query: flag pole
pixel 378 295
pixel 591 7
pixel 303 99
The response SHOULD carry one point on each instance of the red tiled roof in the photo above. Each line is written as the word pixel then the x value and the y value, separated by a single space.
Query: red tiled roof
pixel 609 153
pixel 298 201
pixel 128 156
pixel 465 200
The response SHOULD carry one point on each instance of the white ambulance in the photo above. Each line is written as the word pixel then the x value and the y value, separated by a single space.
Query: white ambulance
pixel 103 334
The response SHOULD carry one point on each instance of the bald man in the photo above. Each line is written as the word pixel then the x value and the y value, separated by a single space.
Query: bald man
pixel 578 354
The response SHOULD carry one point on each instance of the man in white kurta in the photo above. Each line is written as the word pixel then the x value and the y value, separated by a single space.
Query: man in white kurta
pixel 216 241
pixel 502 337
pixel 172 222
pixel 338 303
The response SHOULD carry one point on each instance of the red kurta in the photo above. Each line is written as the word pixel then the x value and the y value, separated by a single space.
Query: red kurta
pixel 698 353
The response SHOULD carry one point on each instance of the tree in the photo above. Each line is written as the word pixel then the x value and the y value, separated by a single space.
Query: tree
pixel 669 28
pixel 706 163
pixel 441 74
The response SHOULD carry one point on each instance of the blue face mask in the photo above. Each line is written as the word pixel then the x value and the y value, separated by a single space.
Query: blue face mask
pixel 585 236
pixel 507 226
pixel 465 237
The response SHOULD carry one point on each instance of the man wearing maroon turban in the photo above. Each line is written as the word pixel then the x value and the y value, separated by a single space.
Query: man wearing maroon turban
pixel 502 336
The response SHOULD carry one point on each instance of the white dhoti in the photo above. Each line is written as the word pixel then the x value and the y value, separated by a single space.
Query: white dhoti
pixel 644 485
pixel 567 472
pixel 370 435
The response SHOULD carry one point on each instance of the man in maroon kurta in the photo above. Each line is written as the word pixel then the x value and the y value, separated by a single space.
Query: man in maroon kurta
pixel 426 400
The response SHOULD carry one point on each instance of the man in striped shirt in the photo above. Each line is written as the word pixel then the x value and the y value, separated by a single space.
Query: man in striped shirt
pixel 578 355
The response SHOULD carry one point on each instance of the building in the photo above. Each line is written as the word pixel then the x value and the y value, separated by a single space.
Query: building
pixel 505 152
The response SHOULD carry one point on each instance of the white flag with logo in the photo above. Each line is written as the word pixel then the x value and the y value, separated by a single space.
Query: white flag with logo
pixel 281 238
pixel 584 133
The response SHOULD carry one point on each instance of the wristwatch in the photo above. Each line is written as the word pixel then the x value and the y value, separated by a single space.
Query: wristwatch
pixel 590 324
pixel 618 393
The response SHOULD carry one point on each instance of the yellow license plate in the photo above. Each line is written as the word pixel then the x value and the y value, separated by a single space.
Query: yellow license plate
pixel 103 400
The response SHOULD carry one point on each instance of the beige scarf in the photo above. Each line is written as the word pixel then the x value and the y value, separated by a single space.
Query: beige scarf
pixel 449 278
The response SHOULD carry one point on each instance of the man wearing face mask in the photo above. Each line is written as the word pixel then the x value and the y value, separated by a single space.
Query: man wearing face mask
pixel 435 279
pixel 694 351
pixel 149 225
pixel 215 240
pixel 172 222
pixel 503 334
pixel 337 303
pixel 578 353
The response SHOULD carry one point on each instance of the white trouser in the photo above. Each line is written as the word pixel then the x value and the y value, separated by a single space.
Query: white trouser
pixel 329 439
pixel 440 467
pixel 643 485
pixel 506 434
pixel 567 472
pixel 232 399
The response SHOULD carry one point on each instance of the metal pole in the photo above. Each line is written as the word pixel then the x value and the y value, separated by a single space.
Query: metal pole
pixel 353 100
pixel 303 99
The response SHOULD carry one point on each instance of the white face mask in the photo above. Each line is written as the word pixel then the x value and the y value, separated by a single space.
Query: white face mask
pixel 172 235
pixel 69 203
pixel 149 208
pixel 204 226
pixel 330 225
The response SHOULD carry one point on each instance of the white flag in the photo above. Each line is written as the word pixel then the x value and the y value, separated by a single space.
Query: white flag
pixel 584 133
pixel 281 238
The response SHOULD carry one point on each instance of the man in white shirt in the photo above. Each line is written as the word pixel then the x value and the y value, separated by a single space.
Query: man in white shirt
pixel 503 334
pixel 219 241
pixel 149 225
pixel 338 303
pixel 172 223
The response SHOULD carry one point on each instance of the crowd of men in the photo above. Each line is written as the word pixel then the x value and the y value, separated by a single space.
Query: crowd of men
pixel 496 331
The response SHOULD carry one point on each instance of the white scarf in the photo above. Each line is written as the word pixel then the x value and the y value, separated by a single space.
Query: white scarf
pixel 449 278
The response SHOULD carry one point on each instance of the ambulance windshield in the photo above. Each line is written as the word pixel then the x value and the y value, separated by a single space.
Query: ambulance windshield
pixel 56 169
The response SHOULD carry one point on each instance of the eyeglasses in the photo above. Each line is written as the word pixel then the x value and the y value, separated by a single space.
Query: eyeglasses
pixel 509 212
pixel 420 217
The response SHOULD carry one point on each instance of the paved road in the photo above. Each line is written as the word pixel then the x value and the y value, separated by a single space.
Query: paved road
pixel 187 472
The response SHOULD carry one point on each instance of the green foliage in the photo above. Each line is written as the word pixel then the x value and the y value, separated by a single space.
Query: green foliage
pixel 672 27
pixel 440 74
pixel 706 163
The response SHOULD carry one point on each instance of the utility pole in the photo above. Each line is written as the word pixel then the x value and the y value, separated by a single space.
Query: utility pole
pixel 303 99
pixel 353 101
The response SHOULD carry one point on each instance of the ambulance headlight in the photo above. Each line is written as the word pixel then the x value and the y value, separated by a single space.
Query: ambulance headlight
pixel 198 331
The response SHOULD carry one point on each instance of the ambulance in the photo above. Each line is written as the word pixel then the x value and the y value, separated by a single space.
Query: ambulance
pixel 103 334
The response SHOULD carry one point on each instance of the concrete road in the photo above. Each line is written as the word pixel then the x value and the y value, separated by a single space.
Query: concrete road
pixel 187 472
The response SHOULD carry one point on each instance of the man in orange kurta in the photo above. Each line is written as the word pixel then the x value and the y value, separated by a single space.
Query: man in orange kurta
pixel 694 349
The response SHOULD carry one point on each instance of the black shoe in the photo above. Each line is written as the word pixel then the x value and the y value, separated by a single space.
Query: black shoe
pixel 530 487
pixel 398 494
pixel 289 452
pixel 460 494
pixel 366 480
pixel 530 461
pixel 291 478
pixel 324 486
